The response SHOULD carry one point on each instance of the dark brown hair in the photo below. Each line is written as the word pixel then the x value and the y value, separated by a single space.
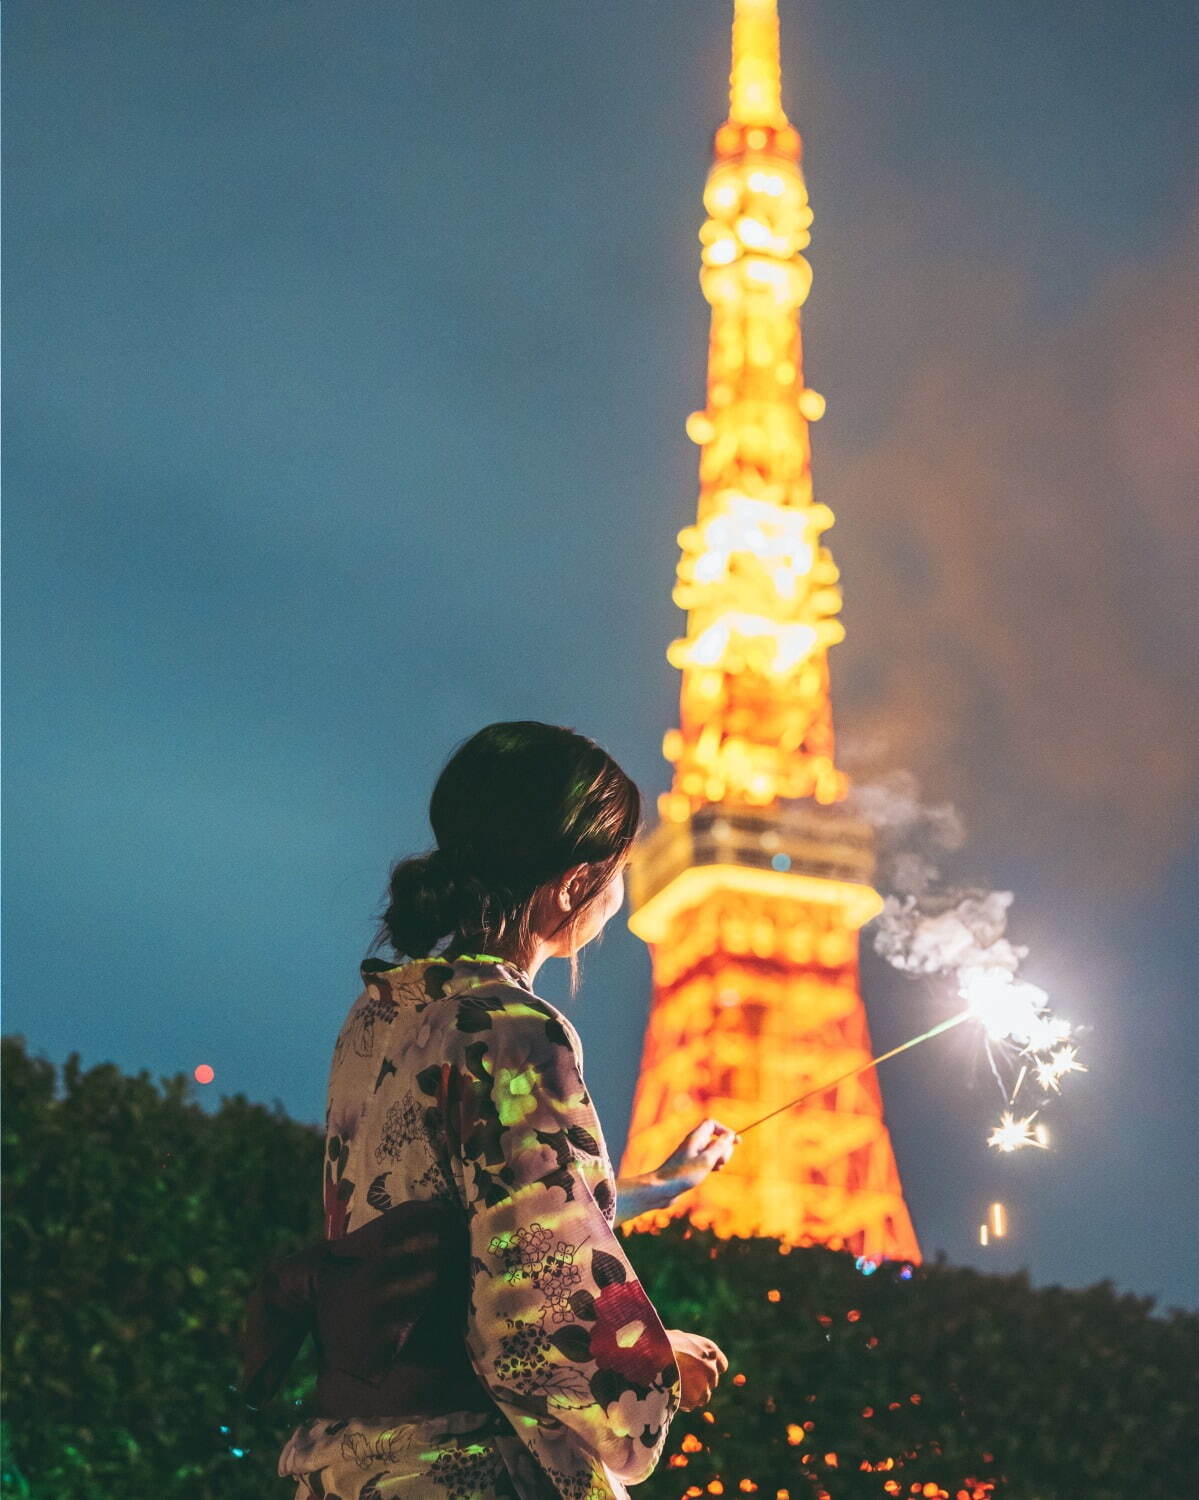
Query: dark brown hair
pixel 516 806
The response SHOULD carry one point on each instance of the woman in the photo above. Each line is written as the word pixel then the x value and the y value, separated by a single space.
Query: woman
pixel 457 1091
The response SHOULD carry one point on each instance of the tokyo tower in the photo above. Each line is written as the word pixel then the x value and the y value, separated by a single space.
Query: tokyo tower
pixel 753 886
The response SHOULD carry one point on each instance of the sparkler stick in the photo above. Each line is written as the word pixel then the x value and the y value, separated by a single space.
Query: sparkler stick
pixel 872 1062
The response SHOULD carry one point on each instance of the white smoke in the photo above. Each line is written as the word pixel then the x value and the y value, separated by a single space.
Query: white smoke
pixel 893 803
pixel 929 926
pixel 926 927
pixel 967 935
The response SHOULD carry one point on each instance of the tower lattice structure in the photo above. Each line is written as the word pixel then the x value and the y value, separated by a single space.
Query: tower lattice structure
pixel 752 888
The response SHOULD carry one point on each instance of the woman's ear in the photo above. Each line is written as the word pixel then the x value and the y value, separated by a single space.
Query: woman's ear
pixel 573 884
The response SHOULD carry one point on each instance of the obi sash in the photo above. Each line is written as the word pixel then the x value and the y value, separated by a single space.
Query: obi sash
pixel 386 1306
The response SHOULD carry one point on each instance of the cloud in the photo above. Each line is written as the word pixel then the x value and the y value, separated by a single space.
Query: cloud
pixel 1020 549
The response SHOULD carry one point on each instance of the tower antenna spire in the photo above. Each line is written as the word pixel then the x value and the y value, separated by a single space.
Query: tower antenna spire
pixel 755 82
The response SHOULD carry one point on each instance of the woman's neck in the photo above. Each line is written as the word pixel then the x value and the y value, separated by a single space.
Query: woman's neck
pixel 529 963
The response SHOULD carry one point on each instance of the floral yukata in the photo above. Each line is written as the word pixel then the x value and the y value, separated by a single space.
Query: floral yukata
pixel 452 1080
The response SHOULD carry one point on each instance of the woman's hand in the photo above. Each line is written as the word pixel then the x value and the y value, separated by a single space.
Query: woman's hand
pixel 701 1363
pixel 704 1149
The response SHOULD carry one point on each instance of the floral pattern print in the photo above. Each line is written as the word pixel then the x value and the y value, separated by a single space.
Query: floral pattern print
pixel 454 1080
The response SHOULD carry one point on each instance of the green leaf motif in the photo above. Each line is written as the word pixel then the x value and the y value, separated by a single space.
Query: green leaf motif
pixel 607 1386
pixel 477 1061
pixel 573 1341
pixel 583 1139
pixel 428 1080
pixel 473 1015
pixel 607 1270
pixel 582 1304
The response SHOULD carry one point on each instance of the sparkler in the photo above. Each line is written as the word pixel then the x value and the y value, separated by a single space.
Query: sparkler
pixel 1013 1013
pixel 872 1062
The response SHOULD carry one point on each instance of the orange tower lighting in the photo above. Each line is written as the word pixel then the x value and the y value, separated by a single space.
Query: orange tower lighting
pixel 752 888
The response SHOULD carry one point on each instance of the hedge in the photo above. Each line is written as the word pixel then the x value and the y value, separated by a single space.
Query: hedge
pixel 135 1222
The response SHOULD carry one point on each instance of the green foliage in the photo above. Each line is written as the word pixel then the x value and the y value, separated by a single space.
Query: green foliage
pixel 972 1385
pixel 136 1222
pixel 134 1225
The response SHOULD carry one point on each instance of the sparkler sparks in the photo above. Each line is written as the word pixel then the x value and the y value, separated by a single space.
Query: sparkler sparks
pixel 1051 1070
pixel 1011 1134
pixel 1010 1009
pixel 1015 1014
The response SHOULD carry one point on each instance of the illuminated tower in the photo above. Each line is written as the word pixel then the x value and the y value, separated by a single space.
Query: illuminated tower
pixel 753 886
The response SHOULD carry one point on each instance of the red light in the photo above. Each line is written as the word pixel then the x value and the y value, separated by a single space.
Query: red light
pixel 204 1074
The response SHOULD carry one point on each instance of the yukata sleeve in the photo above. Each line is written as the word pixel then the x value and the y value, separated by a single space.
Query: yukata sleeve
pixel 559 1328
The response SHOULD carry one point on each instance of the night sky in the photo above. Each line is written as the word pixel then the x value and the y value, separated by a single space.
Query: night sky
pixel 348 354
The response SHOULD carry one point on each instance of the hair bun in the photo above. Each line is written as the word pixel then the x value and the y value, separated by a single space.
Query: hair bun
pixel 425 902
pixel 441 865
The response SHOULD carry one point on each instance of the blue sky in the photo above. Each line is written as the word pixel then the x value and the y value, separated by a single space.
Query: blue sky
pixel 348 354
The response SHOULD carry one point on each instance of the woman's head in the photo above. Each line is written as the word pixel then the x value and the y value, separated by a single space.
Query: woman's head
pixel 533 824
